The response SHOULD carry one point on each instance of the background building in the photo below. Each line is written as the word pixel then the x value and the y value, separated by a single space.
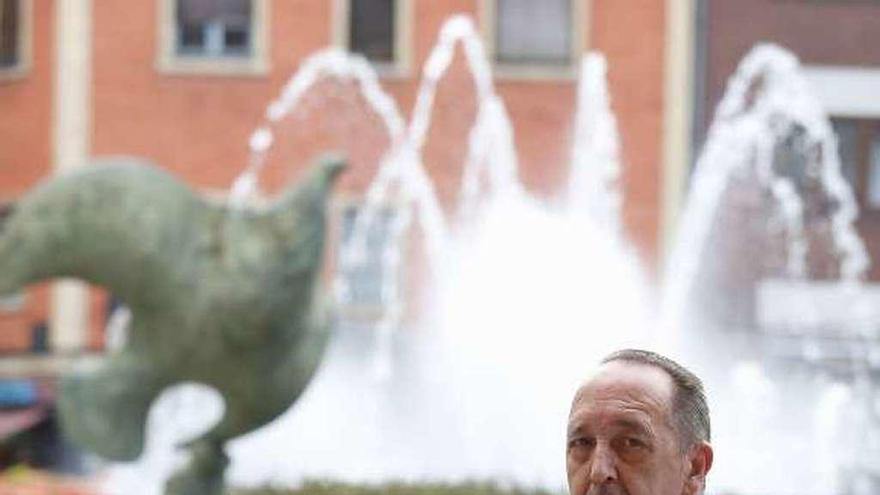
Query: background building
pixel 185 82
pixel 836 44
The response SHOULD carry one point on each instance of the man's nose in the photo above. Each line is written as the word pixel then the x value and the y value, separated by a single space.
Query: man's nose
pixel 603 467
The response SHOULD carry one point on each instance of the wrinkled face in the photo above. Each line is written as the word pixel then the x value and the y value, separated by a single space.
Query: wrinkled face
pixel 621 438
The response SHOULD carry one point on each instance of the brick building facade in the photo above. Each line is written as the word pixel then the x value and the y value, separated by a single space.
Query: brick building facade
pixel 185 83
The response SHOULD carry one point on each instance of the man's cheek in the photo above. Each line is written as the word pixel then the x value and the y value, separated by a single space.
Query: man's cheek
pixel 577 480
pixel 578 486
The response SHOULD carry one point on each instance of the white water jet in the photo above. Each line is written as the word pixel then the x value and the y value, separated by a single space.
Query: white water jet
pixel 331 63
pixel 764 101
pixel 594 181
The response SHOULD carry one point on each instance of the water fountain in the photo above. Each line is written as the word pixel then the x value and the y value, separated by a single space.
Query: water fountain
pixel 527 293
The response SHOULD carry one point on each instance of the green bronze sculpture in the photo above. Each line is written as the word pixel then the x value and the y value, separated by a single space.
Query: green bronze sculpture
pixel 221 296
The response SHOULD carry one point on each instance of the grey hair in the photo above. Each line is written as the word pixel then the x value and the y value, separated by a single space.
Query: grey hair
pixel 690 411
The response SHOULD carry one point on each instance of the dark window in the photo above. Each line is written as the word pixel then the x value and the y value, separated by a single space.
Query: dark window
pixel 533 32
pixel 847 131
pixel 9 17
pixel 872 195
pixel 214 27
pixel 371 29
pixel 858 142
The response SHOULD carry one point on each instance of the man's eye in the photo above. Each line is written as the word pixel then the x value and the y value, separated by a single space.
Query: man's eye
pixel 634 443
pixel 577 443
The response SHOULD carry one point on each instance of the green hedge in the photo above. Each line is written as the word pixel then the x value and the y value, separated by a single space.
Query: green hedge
pixel 328 488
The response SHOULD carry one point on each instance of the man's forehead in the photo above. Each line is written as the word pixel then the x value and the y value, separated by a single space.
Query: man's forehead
pixel 627 381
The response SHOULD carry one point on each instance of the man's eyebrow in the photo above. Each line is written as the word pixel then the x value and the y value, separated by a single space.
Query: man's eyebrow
pixel 622 423
pixel 575 430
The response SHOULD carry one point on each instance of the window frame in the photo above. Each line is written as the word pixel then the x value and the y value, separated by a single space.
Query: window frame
pixel 169 61
pixel 845 91
pixel 13 303
pixel 23 44
pixel 365 313
pixel 866 129
pixel 580 19
pixel 400 66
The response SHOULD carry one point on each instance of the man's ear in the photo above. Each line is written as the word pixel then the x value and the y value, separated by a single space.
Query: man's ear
pixel 699 461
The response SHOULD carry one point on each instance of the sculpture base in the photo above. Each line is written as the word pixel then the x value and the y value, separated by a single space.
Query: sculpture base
pixel 204 473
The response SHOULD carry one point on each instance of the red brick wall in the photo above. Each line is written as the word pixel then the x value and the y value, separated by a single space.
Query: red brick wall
pixel 26 125
pixel 25 153
pixel 198 126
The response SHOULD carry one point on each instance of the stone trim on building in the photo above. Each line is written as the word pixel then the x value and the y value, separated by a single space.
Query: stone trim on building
pixel 677 115
pixel 846 91
pixel 69 314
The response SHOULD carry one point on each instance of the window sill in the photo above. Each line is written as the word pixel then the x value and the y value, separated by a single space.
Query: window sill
pixel 391 70
pixel 534 72
pixel 206 66
pixel 15 73
pixel 13 303
pixel 30 365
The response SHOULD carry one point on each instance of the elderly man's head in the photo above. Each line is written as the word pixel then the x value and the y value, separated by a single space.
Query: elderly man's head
pixel 639 426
